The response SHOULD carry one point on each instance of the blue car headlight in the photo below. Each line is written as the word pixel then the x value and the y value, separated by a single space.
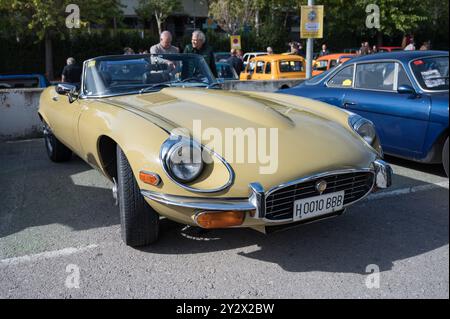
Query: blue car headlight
pixel 364 128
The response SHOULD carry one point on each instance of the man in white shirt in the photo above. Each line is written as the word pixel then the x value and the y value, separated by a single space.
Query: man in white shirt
pixel 164 45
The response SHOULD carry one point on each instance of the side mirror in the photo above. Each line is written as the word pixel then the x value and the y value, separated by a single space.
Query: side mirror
pixel 67 89
pixel 406 89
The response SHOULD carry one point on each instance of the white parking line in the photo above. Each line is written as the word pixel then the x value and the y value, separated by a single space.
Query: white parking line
pixel 71 250
pixel 45 255
pixel 409 190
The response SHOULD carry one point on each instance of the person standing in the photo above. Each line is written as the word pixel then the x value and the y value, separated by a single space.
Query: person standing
pixel 324 51
pixel 71 72
pixel 269 50
pixel 240 54
pixel 235 61
pixel 164 45
pixel 199 46
pixel 426 46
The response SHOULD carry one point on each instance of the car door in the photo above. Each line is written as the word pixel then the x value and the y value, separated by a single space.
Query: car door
pixel 64 120
pixel 259 71
pixel 401 120
pixel 333 91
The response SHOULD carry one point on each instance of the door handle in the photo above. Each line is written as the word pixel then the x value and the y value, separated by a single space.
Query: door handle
pixel 55 98
pixel 349 103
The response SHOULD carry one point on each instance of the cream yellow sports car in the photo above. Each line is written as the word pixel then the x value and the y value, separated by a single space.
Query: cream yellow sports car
pixel 175 145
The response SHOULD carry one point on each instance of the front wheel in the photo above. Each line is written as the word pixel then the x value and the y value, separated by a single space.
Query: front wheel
pixel 445 157
pixel 139 222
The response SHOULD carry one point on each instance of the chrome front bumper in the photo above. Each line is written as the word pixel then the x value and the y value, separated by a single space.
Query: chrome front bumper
pixel 256 201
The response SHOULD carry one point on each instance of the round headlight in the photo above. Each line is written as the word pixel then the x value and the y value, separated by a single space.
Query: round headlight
pixel 367 132
pixel 364 128
pixel 184 161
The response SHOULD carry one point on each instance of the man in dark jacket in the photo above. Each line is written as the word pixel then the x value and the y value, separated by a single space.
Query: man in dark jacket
pixel 71 72
pixel 235 62
pixel 198 46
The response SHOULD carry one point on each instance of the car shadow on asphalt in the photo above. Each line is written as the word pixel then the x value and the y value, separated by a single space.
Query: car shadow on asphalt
pixel 37 192
pixel 432 169
pixel 373 232
pixel 382 232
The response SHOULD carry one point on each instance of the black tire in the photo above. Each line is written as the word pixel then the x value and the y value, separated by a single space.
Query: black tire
pixel 138 221
pixel 56 151
pixel 445 157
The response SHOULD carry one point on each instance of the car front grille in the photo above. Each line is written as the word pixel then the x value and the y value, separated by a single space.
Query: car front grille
pixel 280 203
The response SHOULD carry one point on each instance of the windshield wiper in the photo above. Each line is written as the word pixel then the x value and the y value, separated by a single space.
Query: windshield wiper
pixel 192 79
pixel 154 87
pixel 215 85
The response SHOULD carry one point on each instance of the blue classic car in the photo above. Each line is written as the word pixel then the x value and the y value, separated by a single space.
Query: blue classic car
pixel 405 94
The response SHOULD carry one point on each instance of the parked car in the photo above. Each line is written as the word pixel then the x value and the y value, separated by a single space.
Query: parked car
pixel 250 55
pixel 405 94
pixel 221 56
pixel 327 62
pixel 389 49
pixel 15 81
pixel 225 72
pixel 129 129
pixel 274 67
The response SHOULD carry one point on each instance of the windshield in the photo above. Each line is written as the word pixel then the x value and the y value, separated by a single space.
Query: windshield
pixel 431 73
pixel 128 74
pixel 316 79
pixel 320 65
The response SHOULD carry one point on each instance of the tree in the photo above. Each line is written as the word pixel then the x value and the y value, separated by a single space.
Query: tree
pixel 233 15
pixel 161 9
pixel 47 19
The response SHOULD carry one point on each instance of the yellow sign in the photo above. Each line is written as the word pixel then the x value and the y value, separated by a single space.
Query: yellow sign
pixel 235 41
pixel 311 25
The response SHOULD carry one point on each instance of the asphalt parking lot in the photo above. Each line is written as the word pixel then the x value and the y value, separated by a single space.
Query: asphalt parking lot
pixel 58 221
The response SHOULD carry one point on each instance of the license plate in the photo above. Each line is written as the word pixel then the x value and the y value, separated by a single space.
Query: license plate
pixel 318 205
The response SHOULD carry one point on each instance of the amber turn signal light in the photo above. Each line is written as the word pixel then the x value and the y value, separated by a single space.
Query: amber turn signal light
pixel 149 178
pixel 218 219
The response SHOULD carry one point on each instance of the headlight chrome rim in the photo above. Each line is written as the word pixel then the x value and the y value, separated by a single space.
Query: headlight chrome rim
pixel 174 139
pixel 357 122
pixel 170 163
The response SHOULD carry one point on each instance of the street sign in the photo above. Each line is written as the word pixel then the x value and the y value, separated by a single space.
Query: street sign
pixel 311 24
pixel 235 41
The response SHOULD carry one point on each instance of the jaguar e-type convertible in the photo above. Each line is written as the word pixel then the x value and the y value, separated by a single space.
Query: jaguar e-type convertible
pixel 154 126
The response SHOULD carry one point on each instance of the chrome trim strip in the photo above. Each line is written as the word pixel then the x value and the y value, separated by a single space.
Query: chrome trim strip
pixel 317 176
pixel 384 173
pixel 256 200
pixel 221 204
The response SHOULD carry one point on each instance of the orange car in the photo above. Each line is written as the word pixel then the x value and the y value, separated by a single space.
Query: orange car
pixel 274 67
pixel 327 62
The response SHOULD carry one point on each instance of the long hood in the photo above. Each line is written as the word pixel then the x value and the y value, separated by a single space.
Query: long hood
pixel 302 135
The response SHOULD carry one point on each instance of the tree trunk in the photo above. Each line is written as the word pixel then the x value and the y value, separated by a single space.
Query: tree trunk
pixel 49 56
pixel 159 22
pixel 257 22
